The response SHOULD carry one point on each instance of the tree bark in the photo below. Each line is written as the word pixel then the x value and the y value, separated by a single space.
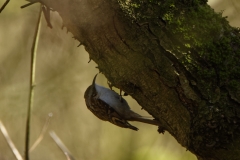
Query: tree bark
pixel 178 59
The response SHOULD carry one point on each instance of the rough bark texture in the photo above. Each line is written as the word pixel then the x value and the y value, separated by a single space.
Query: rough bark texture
pixel 178 59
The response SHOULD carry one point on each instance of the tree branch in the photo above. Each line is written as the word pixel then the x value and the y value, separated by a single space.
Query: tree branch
pixel 178 59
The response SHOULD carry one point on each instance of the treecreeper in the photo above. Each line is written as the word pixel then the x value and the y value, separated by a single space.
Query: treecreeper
pixel 108 105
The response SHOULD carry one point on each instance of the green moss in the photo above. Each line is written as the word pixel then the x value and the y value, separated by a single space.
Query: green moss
pixel 211 55
pixel 208 47
pixel 202 37
pixel 222 60
pixel 217 123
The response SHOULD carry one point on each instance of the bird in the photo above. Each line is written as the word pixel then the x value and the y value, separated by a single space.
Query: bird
pixel 108 105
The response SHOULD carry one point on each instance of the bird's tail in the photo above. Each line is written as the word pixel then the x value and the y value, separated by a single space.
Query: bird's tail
pixel 145 120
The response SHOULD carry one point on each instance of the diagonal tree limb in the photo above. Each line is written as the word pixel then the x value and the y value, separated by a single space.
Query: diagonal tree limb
pixel 178 59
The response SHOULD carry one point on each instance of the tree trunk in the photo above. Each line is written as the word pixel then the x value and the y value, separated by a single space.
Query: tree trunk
pixel 178 59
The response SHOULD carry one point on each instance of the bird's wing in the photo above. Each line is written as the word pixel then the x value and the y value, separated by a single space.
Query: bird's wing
pixel 104 112
pixel 116 119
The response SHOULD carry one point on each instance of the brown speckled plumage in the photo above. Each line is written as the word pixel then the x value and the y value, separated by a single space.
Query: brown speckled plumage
pixel 107 105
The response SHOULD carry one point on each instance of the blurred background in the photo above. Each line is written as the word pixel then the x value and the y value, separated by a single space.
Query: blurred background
pixel 62 75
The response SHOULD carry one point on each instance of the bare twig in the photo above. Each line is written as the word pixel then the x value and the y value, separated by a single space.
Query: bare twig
pixel 61 145
pixel 46 11
pixel 28 4
pixel 4 5
pixel 32 83
pixel 42 132
pixel 10 143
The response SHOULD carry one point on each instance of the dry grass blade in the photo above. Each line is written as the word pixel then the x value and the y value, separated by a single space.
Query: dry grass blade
pixel 32 82
pixel 4 5
pixel 61 145
pixel 10 143
pixel 42 132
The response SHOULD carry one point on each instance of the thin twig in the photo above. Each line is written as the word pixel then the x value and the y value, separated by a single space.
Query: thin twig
pixel 4 5
pixel 28 4
pixel 10 143
pixel 32 83
pixel 46 11
pixel 42 132
pixel 61 145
